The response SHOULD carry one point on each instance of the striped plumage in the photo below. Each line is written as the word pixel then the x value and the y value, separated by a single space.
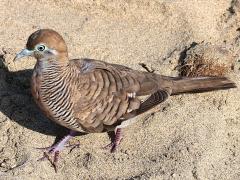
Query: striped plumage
pixel 91 99
pixel 52 92
pixel 87 95
pixel 92 96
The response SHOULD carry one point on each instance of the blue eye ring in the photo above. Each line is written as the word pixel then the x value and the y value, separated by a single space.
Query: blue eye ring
pixel 41 48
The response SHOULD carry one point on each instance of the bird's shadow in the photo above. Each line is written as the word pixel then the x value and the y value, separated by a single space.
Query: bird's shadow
pixel 17 104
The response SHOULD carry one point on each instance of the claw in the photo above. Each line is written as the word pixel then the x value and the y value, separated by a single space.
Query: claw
pixel 46 155
pixel 42 158
pixel 73 146
pixel 115 143
pixel 55 150
pixel 44 148
pixel 49 151
pixel 111 146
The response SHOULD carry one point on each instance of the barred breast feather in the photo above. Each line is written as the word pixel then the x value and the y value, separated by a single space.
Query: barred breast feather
pixel 53 93
pixel 94 96
pixel 89 95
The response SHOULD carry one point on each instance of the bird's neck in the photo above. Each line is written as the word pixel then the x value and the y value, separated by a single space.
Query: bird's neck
pixel 48 65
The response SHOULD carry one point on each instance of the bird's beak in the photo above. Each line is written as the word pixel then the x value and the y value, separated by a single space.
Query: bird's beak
pixel 23 53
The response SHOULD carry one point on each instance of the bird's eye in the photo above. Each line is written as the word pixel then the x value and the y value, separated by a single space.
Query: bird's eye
pixel 41 48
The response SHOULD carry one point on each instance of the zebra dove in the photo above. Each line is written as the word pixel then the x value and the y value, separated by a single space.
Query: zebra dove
pixel 92 96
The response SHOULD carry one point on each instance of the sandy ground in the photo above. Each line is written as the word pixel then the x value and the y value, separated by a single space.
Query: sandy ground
pixel 190 137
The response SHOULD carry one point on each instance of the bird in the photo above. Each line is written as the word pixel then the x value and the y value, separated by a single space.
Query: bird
pixel 92 96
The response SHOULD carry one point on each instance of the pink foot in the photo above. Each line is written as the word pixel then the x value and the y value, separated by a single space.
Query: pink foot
pixel 117 140
pixel 55 150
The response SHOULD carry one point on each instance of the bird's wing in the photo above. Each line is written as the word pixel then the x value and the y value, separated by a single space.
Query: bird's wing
pixel 108 94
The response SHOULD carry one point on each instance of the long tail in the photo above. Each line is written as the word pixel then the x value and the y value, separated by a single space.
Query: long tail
pixel 200 84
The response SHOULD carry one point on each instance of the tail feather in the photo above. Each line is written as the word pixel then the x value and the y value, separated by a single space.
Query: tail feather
pixel 201 84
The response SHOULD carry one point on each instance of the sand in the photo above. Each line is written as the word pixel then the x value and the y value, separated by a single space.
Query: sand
pixel 193 136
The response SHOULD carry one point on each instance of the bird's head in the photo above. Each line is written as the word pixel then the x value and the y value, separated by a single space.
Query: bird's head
pixel 45 44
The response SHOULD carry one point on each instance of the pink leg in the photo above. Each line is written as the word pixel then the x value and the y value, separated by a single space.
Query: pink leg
pixel 56 148
pixel 117 139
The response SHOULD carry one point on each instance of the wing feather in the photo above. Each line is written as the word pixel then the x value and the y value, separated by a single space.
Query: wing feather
pixel 103 93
